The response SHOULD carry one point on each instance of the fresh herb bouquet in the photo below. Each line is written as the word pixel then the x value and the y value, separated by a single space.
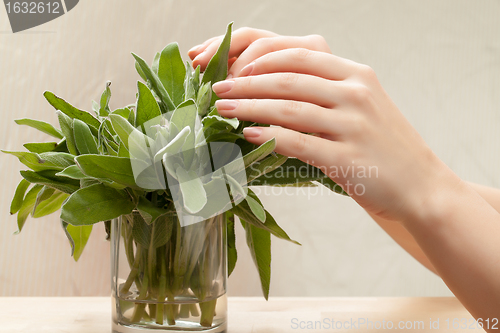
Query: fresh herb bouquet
pixel 94 174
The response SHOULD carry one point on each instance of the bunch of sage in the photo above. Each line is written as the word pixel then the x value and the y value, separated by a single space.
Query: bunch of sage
pixel 88 172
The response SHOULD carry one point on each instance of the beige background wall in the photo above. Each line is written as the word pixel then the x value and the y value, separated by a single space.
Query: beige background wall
pixel 439 60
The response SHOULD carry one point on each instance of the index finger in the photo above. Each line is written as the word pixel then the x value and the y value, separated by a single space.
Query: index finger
pixel 240 40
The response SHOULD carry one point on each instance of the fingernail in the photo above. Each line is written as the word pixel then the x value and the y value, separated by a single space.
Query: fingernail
pixel 247 70
pixel 229 76
pixel 223 86
pixel 197 58
pixel 226 104
pixel 195 48
pixel 252 132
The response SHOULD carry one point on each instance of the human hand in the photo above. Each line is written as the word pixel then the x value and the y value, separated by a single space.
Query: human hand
pixel 361 141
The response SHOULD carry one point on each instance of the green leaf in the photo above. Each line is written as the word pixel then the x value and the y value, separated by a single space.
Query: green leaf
pixel 66 124
pixel 232 255
pixel 171 72
pixel 27 207
pixel 193 192
pixel 40 147
pixel 264 166
pixel 260 152
pixel 72 112
pixel 244 211
pixel 174 145
pixel 203 98
pixel 84 139
pixel 147 107
pixel 155 82
pixel 17 201
pixel 126 132
pixel 162 229
pixel 94 204
pixel 45 193
pixel 43 161
pixel 118 169
pixel 141 231
pixel 78 237
pixel 73 172
pixel 186 115
pixel 50 205
pixel 41 126
pixel 149 211
pixel 217 66
pixel 259 243
pixel 104 102
pixel 294 171
pixel 256 208
pixel 124 112
pixel 219 123
pixel 224 137
pixel 49 178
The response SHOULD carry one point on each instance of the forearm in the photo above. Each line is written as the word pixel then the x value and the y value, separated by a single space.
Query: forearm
pixel 406 240
pixel 459 232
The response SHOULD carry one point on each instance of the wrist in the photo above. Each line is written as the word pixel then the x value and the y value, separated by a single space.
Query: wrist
pixel 434 200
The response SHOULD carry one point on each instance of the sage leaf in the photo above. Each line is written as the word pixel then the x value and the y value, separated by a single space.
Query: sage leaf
pixel 162 229
pixel 44 194
pixel 66 124
pixel 155 82
pixel 129 135
pixel 18 198
pixel 203 98
pixel 49 178
pixel 118 169
pixel 43 161
pixel 171 72
pixel 232 255
pixel 259 243
pixel 264 166
pixel 260 152
pixel 141 231
pixel 73 172
pixel 104 102
pixel 147 107
pixel 72 112
pixel 244 211
pixel 50 205
pixel 41 126
pixel 256 208
pixel 174 145
pixel 149 211
pixel 27 207
pixel 40 147
pixel 193 193
pixel 84 140
pixel 94 204
pixel 78 237
pixel 295 171
pixel 217 66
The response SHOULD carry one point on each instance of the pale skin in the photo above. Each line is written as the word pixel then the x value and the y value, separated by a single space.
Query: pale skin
pixel 452 227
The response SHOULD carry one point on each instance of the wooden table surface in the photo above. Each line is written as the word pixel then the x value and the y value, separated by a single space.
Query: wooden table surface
pixel 248 314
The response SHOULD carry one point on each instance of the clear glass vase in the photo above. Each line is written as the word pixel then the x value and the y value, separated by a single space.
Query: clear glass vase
pixel 168 278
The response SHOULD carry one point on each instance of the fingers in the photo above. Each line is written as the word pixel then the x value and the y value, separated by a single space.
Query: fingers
pixel 308 148
pixel 299 116
pixel 240 40
pixel 301 60
pixel 272 44
pixel 290 86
